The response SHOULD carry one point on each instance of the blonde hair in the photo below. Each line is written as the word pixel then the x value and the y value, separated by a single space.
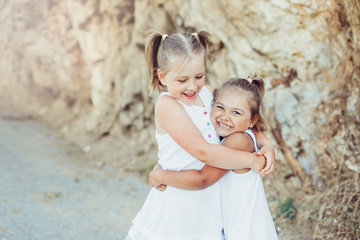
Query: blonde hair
pixel 160 49
pixel 255 88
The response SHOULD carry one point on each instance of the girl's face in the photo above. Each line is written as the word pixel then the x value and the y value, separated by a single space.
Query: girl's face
pixel 185 82
pixel 231 112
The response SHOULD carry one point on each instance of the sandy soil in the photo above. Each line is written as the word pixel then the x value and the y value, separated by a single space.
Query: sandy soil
pixel 48 191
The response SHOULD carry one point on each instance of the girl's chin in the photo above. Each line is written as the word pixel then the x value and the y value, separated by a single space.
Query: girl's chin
pixel 223 134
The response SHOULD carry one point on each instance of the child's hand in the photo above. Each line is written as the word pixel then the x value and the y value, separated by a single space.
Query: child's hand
pixel 269 154
pixel 161 187
pixel 259 163
pixel 154 176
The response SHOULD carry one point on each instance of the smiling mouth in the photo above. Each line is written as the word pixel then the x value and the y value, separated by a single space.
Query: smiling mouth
pixel 224 125
pixel 190 95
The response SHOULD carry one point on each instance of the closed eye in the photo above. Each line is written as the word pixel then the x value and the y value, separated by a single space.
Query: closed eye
pixel 219 107
pixel 236 113
pixel 199 77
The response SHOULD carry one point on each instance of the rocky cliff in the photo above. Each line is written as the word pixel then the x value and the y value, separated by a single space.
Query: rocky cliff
pixel 80 66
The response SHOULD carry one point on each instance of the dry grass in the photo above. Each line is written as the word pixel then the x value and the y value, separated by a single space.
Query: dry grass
pixel 334 213
pixel 329 212
pixel 331 209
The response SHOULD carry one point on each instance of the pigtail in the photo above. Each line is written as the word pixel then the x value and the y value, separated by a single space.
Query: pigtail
pixel 259 83
pixel 259 88
pixel 152 45
pixel 204 39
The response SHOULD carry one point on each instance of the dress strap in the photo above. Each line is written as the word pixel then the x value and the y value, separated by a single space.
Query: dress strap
pixel 206 96
pixel 252 135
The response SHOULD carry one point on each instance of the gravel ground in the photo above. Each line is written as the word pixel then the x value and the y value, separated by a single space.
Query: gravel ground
pixel 46 193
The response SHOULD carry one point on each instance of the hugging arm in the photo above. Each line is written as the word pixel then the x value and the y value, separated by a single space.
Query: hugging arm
pixel 186 179
pixel 200 179
pixel 174 119
pixel 267 149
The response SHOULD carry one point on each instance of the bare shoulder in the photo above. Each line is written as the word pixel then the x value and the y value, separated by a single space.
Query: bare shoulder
pixel 167 109
pixel 166 102
pixel 240 141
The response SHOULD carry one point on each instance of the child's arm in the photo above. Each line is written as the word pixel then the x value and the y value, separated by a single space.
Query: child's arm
pixel 174 119
pixel 200 179
pixel 267 149
pixel 186 179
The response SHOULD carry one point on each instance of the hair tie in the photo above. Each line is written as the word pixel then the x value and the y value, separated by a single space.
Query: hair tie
pixel 195 35
pixel 249 80
pixel 163 37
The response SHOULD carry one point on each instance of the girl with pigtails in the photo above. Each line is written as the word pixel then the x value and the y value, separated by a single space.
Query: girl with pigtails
pixel 187 140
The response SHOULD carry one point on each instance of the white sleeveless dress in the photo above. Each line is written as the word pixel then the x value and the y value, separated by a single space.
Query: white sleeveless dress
pixel 246 214
pixel 177 214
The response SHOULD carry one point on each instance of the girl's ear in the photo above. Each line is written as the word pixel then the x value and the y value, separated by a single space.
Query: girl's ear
pixel 254 120
pixel 161 76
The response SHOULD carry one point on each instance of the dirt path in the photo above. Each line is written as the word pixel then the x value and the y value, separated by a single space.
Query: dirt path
pixel 46 193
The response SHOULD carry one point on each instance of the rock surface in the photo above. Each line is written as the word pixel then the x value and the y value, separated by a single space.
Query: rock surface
pixel 71 60
pixel 80 67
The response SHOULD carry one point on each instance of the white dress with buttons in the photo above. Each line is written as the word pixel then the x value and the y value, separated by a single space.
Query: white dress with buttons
pixel 177 214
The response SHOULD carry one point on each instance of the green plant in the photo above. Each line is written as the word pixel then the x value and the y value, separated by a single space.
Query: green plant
pixel 287 209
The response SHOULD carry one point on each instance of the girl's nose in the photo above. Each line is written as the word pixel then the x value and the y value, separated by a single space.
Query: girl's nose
pixel 225 117
pixel 192 86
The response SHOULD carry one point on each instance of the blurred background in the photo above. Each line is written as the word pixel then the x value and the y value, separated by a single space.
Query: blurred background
pixel 79 68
